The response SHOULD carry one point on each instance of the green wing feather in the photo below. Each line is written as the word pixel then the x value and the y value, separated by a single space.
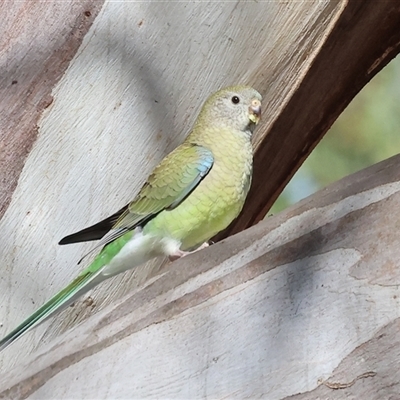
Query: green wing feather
pixel 170 183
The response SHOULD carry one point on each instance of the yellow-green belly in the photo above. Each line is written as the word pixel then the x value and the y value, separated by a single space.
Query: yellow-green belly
pixel 209 209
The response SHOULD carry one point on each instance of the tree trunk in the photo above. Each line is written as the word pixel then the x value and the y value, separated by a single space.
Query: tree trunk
pixel 93 95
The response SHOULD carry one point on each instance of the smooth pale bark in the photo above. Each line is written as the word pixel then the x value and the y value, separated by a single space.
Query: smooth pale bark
pixel 94 95
pixel 37 42
pixel 306 296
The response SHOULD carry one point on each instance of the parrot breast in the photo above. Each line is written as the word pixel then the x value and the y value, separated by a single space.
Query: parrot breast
pixel 219 197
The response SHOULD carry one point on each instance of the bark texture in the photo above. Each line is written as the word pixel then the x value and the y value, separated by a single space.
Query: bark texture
pixel 93 95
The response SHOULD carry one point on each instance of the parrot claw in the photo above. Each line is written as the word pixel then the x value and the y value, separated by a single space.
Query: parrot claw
pixel 180 253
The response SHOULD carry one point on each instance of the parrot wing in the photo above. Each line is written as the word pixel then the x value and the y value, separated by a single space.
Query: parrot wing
pixel 171 182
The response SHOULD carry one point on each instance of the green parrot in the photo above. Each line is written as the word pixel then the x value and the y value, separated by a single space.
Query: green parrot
pixel 195 192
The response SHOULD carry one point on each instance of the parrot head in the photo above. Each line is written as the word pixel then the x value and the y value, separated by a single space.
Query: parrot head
pixel 238 107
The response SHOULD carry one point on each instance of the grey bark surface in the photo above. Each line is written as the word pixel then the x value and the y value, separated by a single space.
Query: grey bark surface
pixel 93 95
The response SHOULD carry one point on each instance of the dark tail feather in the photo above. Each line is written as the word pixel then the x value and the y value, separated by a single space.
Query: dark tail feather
pixel 94 232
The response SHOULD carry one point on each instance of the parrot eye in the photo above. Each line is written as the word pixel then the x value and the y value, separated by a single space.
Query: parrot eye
pixel 235 100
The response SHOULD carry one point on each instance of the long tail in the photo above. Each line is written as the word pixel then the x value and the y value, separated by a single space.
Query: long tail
pixel 83 283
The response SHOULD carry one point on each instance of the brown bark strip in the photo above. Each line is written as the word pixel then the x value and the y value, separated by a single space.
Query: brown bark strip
pixel 37 42
pixel 365 38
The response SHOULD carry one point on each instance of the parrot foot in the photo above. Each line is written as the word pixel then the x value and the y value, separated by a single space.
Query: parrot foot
pixel 181 253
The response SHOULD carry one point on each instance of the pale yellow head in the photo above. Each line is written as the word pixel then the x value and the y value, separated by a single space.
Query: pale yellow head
pixel 238 107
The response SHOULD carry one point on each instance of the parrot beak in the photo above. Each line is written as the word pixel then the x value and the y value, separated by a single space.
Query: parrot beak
pixel 255 111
